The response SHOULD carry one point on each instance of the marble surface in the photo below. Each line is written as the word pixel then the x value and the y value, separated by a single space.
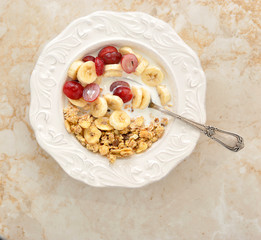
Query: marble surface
pixel 214 194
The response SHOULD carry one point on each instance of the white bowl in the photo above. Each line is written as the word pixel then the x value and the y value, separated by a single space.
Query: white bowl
pixel 158 41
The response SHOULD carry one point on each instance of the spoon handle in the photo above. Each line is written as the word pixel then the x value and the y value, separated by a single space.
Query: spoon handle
pixel 229 140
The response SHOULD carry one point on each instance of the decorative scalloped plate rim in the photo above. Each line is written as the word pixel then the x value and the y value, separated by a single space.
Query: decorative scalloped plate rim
pixel 48 76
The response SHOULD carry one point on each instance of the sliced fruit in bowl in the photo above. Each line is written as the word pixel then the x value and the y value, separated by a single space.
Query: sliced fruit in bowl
pixel 110 55
pixel 99 66
pixel 87 73
pixel 104 124
pixel 124 93
pixel 73 69
pixel 99 107
pixel 73 90
pixel 114 102
pixel 79 102
pixel 137 97
pixel 91 92
pixel 119 120
pixel 88 58
pixel 129 63
pixel 119 84
pixel 92 134
pixel 152 76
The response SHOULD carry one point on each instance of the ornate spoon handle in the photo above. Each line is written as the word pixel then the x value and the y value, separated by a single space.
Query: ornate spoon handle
pixel 229 140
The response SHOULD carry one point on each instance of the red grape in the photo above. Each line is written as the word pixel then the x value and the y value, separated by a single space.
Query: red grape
pixel 108 49
pixel 112 58
pixel 118 84
pixel 99 66
pixel 124 93
pixel 91 92
pixel 129 63
pixel 110 55
pixel 88 58
pixel 73 90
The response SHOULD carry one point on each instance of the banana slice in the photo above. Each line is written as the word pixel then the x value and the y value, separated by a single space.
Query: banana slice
pixel 138 56
pixel 119 120
pixel 112 67
pixel 145 101
pixel 78 103
pixel 152 76
pixel 137 96
pixel 164 94
pixel 103 123
pixel 114 102
pixel 141 67
pixel 73 69
pixel 113 74
pixel 126 50
pixel 92 135
pixel 99 107
pixel 87 73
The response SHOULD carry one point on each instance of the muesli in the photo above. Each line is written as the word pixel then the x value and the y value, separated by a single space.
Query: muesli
pixel 101 121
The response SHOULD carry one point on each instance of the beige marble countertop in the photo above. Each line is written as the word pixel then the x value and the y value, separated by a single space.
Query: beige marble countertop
pixel 214 194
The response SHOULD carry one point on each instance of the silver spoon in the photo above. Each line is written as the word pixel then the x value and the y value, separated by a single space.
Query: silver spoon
pixel 229 140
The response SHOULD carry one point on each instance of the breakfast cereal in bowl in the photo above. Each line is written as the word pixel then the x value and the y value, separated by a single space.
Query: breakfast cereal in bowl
pixel 101 110
pixel 92 89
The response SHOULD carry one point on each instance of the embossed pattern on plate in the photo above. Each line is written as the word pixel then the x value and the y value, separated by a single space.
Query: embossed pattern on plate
pixel 48 76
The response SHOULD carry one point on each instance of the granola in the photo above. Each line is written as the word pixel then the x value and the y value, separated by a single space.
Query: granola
pixel 112 143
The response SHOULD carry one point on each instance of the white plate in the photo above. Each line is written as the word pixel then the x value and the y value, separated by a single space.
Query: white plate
pixel 88 34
